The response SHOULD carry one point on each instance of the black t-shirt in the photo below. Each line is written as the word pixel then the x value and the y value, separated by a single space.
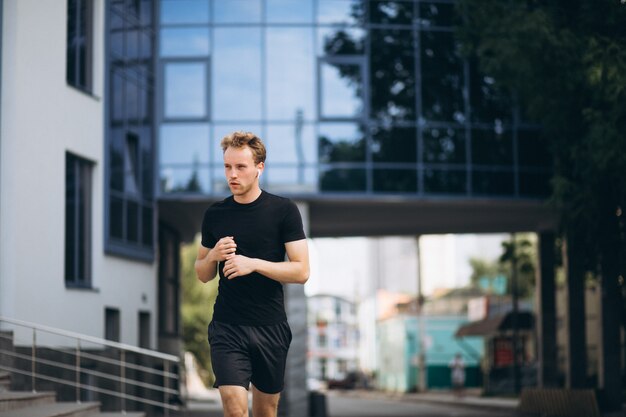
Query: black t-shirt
pixel 260 230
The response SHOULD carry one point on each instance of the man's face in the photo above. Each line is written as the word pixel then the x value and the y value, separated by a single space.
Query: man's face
pixel 240 170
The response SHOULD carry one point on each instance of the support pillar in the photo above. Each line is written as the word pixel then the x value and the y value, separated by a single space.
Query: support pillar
pixel 546 312
pixel 576 357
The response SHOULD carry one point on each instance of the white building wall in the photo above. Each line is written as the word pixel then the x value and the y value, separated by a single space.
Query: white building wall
pixel 43 117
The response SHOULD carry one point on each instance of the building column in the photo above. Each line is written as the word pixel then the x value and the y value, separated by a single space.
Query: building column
pixel 295 397
pixel 576 350
pixel 546 312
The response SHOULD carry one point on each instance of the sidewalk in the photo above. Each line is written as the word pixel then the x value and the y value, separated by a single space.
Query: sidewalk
pixel 471 398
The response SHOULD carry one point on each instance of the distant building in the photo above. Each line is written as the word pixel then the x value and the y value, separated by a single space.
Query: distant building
pixel 333 337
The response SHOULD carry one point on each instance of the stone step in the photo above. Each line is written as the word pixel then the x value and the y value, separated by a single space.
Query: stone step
pixel 11 400
pixel 55 410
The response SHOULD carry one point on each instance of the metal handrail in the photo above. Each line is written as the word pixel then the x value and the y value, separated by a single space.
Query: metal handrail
pixel 79 352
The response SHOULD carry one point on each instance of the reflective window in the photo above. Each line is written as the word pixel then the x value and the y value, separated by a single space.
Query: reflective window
pixel 182 42
pixel 349 12
pixel 396 144
pixel 392 75
pixel 437 14
pixel 289 11
pixel 341 89
pixel 488 103
pixel 237 11
pixel 185 90
pixel 532 149
pixel 293 144
pixel 444 145
pixel 236 74
pixel 184 11
pixel 395 180
pixel 491 147
pixel 442 77
pixel 340 41
pixel 342 179
pixel 492 182
pixel 290 179
pixel 290 74
pixel 191 179
pixel 184 144
pixel 535 183
pixel 341 142
pixel 391 12
pixel 116 218
pixel 445 181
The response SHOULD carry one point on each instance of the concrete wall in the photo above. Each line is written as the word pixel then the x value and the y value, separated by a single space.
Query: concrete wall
pixel 43 117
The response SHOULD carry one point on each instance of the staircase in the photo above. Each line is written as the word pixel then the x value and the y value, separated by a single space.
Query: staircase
pixel 44 404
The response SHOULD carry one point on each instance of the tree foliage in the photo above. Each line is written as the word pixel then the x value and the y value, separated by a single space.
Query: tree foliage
pixel 197 310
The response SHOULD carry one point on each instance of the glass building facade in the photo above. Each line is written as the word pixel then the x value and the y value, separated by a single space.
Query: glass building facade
pixel 352 97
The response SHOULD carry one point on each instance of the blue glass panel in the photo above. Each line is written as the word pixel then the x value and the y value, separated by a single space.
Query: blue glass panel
pixel 444 145
pixel 341 89
pixel 293 144
pixel 290 74
pixel 340 41
pixel 340 11
pixel 342 179
pixel 188 179
pixel 395 144
pixel 185 90
pixel 236 75
pixel 182 42
pixel 184 143
pixel 184 11
pixel 237 11
pixel 533 150
pixel 438 14
pixel 445 181
pixel 289 11
pixel 395 180
pixel 290 179
pixel 489 103
pixel 391 12
pixel 535 183
pixel 492 147
pixel 341 142
pixel 492 182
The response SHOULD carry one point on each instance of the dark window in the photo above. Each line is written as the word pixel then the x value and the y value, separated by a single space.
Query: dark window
pixel 144 330
pixel 79 43
pixel 112 324
pixel 78 190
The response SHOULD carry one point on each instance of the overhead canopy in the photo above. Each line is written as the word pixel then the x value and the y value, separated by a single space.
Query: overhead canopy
pixel 495 324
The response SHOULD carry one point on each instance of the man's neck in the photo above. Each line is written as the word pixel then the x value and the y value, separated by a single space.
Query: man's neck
pixel 248 197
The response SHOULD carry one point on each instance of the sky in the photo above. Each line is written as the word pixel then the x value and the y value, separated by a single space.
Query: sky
pixel 352 267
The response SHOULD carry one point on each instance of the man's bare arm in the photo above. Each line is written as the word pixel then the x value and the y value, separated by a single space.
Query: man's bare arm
pixel 294 271
pixel 206 262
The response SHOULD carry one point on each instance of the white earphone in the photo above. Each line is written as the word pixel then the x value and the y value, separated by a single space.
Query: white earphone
pixel 258 173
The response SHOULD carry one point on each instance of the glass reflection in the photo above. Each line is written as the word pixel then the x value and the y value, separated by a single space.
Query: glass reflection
pixel 437 14
pixel 445 181
pixel 492 147
pixel 489 104
pixel 183 42
pixel 185 90
pixel 349 12
pixel 392 75
pixel 492 182
pixel 340 41
pixel 290 74
pixel 532 148
pixel 290 179
pixel 184 11
pixel 294 144
pixel 184 143
pixel 395 180
pixel 442 77
pixel 190 179
pixel 444 145
pixel 341 142
pixel 395 144
pixel 237 11
pixel 391 12
pixel 341 89
pixel 289 11
pixel 237 74
pixel 534 183
pixel 342 179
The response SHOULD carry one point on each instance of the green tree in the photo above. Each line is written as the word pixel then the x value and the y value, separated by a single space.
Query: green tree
pixel 197 310
pixel 521 251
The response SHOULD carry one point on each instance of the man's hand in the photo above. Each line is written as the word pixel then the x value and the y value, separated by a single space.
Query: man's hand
pixel 238 265
pixel 224 249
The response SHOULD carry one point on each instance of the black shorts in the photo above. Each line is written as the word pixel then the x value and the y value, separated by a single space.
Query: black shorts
pixel 244 354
